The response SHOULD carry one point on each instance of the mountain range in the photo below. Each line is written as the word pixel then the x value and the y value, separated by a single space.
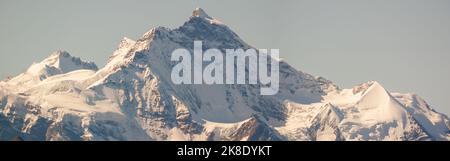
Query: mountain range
pixel 133 98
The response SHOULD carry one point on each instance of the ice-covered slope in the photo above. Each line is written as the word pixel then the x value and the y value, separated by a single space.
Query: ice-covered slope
pixel 133 98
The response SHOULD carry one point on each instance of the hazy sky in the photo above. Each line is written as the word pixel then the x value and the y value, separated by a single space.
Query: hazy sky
pixel 403 44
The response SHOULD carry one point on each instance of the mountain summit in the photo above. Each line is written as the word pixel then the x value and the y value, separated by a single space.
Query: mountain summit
pixel 133 98
pixel 198 12
pixel 59 62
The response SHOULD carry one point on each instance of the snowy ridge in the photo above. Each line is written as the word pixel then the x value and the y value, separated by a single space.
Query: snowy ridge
pixel 133 98
pixel 59 62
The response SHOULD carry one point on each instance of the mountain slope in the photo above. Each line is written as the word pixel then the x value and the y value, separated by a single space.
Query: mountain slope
pixel 133 98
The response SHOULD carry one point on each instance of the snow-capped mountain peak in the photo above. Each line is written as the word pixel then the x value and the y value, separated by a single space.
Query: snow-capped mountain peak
pixel 67 63
pixel 59 62
pixel 199 12
pixel 62 61
pixel 380 106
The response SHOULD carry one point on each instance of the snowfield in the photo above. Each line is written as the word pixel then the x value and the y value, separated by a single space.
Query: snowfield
pixel 133 98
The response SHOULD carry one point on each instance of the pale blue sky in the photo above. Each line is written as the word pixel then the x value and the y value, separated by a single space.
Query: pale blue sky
pixel 403 44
